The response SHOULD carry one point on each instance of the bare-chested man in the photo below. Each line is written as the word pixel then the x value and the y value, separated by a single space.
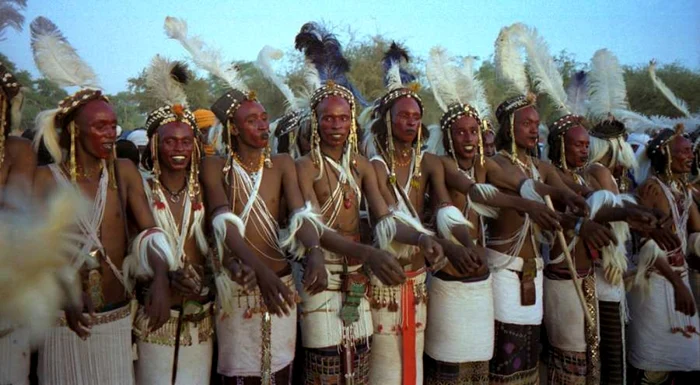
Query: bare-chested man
pixel 663 332
pixel 17 167
pixel 514 247
pixel 244 191
pixel 167 355
pixel 80 136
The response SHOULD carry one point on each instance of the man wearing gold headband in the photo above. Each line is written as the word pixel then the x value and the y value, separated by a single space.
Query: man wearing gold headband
pixel 664 342
pixel 337 323
pixel 243 191
pixel 80 136
pixel 460 333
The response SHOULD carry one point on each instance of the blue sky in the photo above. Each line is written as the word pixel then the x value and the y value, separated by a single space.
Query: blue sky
pixel 119 37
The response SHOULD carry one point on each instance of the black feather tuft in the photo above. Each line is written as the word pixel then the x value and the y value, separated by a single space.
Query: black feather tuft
pixel 180 73
pixel 398 54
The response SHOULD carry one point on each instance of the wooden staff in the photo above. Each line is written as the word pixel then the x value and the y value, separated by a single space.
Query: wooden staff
pixel 572 268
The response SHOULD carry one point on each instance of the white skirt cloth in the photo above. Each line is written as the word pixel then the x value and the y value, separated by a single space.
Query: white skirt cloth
pixel 321 326
pixel 156 351
pixel 563 315
pixel 652 345
pixel 240 335
pixel 460 321
pixel 14 354
pixel 506 291
pixel 104 358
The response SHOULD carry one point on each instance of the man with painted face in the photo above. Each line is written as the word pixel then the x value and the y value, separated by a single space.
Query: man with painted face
pixel 460 333
pixel 172 158
pixel 514 244
pixel 337 323
pixel 663 331
pixel 489 141
pixel 80 136
pixel 244 191
pixel 574 354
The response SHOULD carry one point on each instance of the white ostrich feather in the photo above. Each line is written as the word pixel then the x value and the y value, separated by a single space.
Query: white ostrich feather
pixel 162 85
pixel 204 57
pixel 478 92
pixel 57 60
pixel 606 85
pixel 393 76
pixel 442 79
pixel 668 94
pixel 544 72
pixel 264 63
pixel 509 64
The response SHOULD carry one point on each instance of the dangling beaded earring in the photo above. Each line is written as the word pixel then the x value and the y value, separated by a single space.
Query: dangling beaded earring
pixel 481 142
pixel 112 172
pixel 390 146
pixel 268 154
pixel 73 164
pixel 156 164
pixel 315 140
pixel 513 147
pixel 3 109
pixel 562 153
pixel 417 155
pixel 452 146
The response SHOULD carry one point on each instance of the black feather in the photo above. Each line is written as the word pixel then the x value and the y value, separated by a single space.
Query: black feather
pixel 180 73
pixel 398 54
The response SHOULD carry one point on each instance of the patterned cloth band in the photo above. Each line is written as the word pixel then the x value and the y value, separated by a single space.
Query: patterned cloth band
pixel 513 104
pixel 226 106
pixel 609 129
pixel 169 114
pixel 388 100
pixel 329 89
pixel 70 104
pixel 456 111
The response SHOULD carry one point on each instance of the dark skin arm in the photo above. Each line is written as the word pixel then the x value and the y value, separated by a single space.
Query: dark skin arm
pixel 540 213
pixel 383 265
pixel 404 234
pixel 650 195
pixel 157 303
pixel 278 298
pixel 315 276
pixel 23 166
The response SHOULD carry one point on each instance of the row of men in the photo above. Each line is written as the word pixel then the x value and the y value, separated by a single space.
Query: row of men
pixel 207 257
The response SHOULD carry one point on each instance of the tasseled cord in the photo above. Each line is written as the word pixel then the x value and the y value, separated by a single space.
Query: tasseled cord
pixel 222 280
pixel 136 264
pixel 385 232
pixel 449 217
pixel 485 191
pixel 296 221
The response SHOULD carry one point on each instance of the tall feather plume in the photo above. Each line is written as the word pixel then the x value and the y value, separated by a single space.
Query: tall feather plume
pixel 204 57
pixel 264 63
pixel 474 92
pixel 165 80
pixel 442 79
pixel 323 49
pixel 395 76
pixel 544 72
pixel 577 94
pixel 668 94
pixel 606 85
pixel 10 15
pixel 57 59
pixel 509 64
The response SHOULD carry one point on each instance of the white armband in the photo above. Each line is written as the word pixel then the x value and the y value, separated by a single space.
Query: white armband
pixel 136 265
pixel 222 279
pixel 527 191
pixel 385 232
pixel 290 241
pixel 485 191
pixel 447 218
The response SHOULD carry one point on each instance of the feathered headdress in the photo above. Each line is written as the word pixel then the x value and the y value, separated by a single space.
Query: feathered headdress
pixel 510 69
pixel 457 91
pixel 608 103
pixel 165 81
pixel 60 63
pixel 399 83
pixel 657 155
pixel 11 101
